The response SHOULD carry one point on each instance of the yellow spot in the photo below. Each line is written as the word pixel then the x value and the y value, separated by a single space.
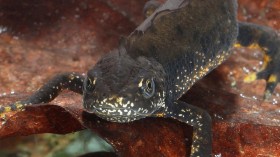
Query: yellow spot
pixel 7 109
pixel 149 12
pixel 140 83
pixel 90 81
pixel 237 45
pixel 272 78
pixel 266 60
pixel 71 77
pixel 2 116
pixel 254 46
pixel 119 100
pixel 160 115
pixel 251 46
pixel 250 78
pixel 18 106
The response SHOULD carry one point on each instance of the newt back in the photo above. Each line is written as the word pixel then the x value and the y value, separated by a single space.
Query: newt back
pixel 188 41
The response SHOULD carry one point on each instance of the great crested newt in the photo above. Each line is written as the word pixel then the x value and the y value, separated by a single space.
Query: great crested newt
pixel 178 44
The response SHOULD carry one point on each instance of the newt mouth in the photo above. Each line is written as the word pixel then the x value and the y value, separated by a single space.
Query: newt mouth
pixel 120 115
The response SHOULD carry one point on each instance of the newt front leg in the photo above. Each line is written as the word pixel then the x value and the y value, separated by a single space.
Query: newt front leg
pixel 201 122
pixel 70 81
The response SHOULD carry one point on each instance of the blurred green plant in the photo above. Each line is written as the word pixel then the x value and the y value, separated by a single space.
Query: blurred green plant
pixel 52 145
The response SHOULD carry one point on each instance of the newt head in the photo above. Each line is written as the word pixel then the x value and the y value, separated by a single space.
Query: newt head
pixel 122 89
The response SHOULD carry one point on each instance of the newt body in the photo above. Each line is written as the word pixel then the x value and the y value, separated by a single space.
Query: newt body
pixel 178 44
pixel 188 41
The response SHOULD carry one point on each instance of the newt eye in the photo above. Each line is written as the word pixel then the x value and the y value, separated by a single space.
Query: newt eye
pixel 148 89
pixel 90 85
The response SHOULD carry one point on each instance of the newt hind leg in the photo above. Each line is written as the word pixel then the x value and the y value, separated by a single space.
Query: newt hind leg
pixel 70 81
pixel 266 39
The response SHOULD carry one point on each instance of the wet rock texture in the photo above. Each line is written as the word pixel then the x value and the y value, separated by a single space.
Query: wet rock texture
pixel 39 39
